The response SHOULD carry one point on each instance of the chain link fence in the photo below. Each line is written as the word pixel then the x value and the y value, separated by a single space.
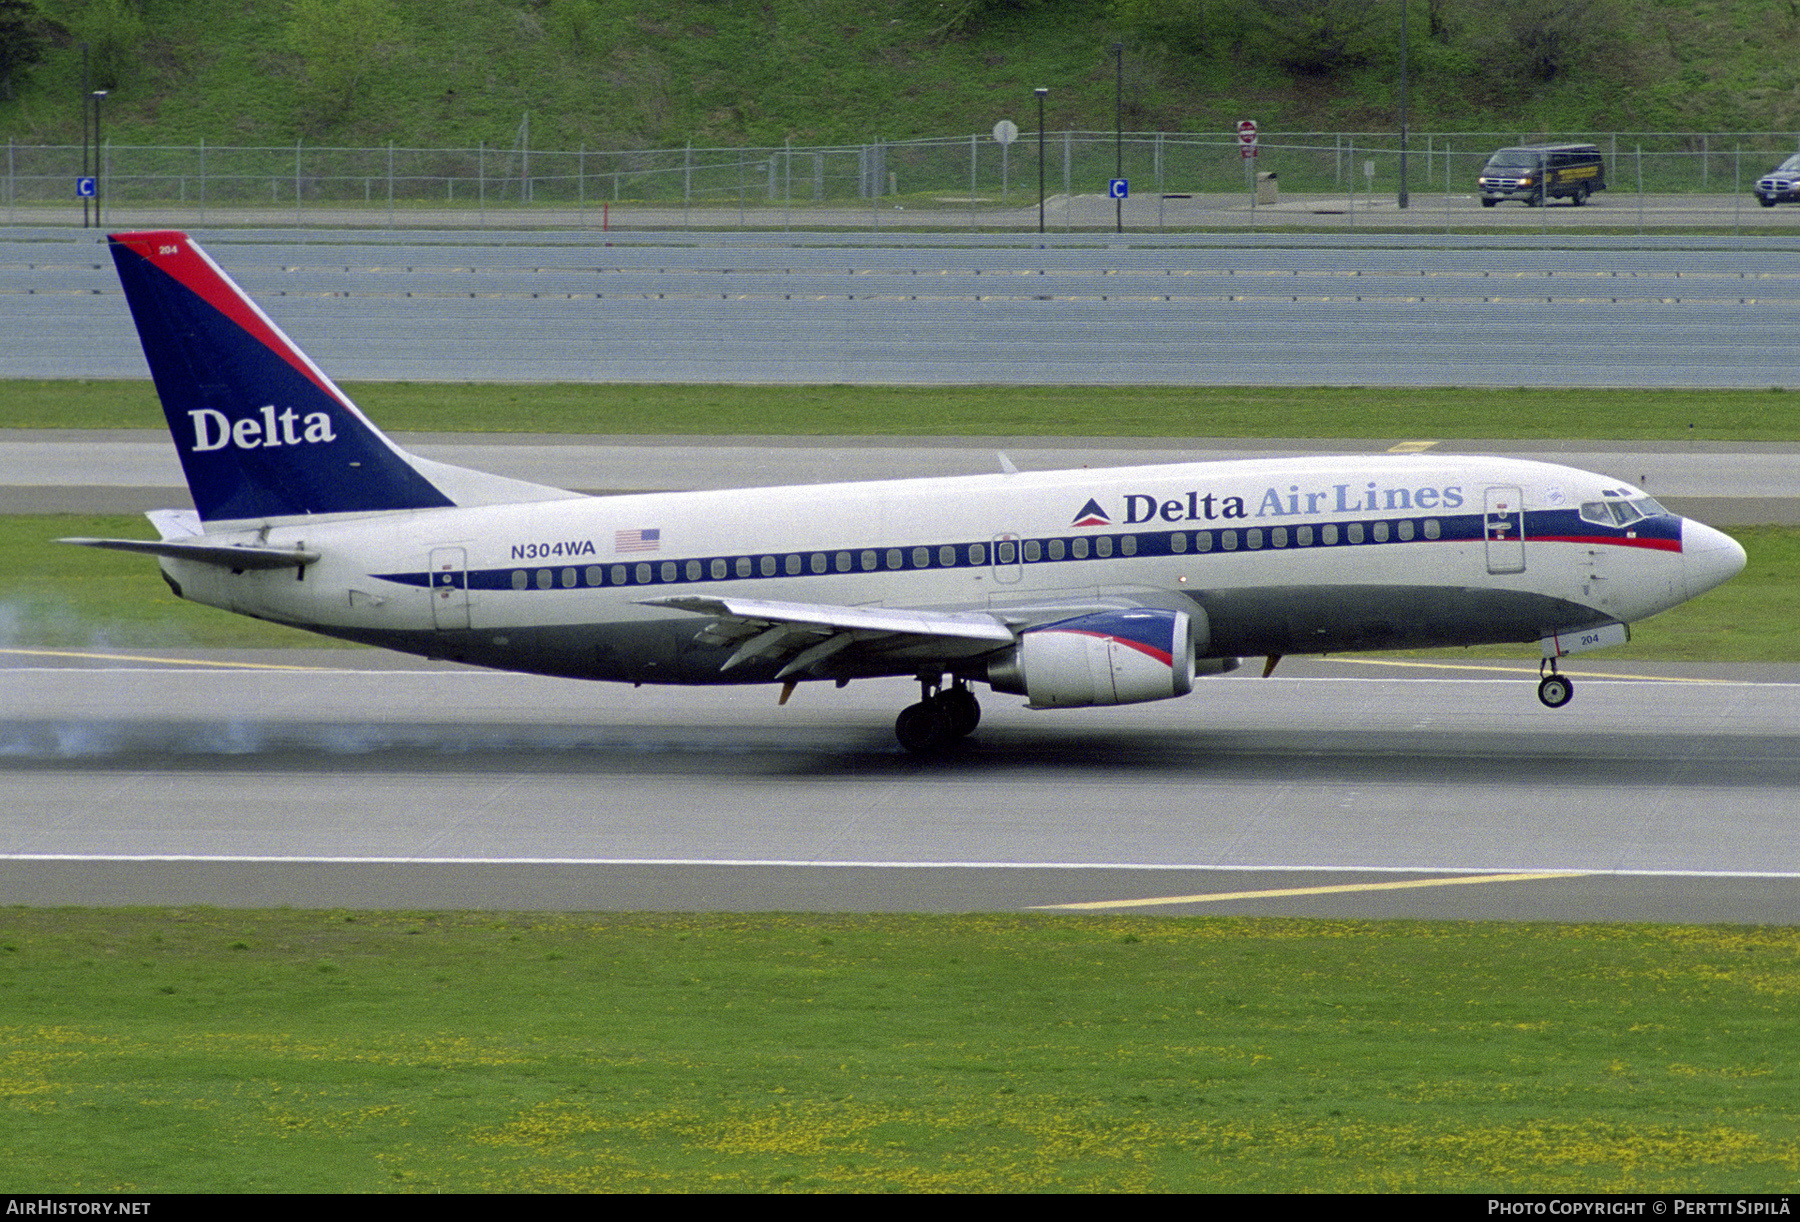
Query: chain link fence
pixel 968 177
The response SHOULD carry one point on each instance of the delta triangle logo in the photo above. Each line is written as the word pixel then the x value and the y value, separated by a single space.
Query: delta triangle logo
pixel 1091 515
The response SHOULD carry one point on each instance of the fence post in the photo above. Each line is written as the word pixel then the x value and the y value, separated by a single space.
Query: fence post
pixel 481 179
pixel 390 184
pixel 297 183
pixel 974 157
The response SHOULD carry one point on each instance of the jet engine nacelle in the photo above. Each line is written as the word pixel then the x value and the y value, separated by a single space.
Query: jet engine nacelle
pixel 1107 657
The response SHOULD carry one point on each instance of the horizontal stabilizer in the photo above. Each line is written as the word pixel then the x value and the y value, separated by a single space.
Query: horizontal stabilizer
pixel 225 555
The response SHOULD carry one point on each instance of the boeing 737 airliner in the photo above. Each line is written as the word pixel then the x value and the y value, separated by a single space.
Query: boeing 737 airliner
pixel 1069 588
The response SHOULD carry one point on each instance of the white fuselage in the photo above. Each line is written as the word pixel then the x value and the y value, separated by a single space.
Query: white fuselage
pixel 1300 555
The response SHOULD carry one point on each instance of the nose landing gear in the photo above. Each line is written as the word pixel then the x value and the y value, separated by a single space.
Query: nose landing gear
pixel 1553 689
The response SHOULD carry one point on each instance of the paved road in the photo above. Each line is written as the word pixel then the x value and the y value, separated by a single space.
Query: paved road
pixel 80 471
pixel 1661 798
pixel 1214 309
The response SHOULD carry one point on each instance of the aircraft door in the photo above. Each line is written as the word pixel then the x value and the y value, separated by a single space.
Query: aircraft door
pixel 1504 525
pixel 449 587
pixel 1009 562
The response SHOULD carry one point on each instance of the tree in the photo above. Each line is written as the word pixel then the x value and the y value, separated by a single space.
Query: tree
pixel 21 42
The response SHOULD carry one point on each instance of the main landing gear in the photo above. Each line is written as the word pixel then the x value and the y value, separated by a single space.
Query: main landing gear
pixel 939 719
pixel 1554 689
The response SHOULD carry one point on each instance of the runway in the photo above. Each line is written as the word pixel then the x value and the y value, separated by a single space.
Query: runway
pixel 1513 310
pixel 348 779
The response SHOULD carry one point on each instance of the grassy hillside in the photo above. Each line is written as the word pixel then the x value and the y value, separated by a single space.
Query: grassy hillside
pixel 659 73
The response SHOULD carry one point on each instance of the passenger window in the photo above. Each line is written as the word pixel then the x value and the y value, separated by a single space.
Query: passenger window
pixel 520 580
pixel 1228 540
pixel 544 579
pixel 1178 543
pixel 1078 547
pixel 618 574
pixel 1328 534
pixel 668 570
pixel 568 579
pixel 1056 549
pixel 1203 541
pixel 1432 529
pixel 693 570
pixel 1278 536
pixel 818 562
pixel 792 565
pixel 894 559
pixel 767 564
pixel 977 553
pixel 743 566
pixel 921 557
pixel 1033 550
pixel 718 570
pixel 1103 545
pixel 1406 531
pixel 1303 536
pixel 1354 532
pixel 643 574
pixel 1381 532
pixel 1128 545
pixel 1253 538
pixel 947 556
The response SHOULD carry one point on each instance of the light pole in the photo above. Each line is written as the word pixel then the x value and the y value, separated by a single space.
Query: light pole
pixel 1118 131
pixel 1403 103
pixel 96 95
pixel 1042 93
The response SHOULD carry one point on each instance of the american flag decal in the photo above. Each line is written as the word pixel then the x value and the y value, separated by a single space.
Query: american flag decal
pixel 649 540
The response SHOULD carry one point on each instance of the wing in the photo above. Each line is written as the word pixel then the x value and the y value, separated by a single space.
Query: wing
pixel 815 640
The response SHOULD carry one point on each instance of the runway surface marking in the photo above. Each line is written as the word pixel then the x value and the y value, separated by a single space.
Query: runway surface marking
pixel 128 657
pixel 1216 897
pixel 1465 874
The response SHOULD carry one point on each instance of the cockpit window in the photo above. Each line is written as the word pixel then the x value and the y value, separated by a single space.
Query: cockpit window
pixel 1620 513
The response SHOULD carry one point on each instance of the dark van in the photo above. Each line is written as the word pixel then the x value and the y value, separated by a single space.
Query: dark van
pixel 1535 172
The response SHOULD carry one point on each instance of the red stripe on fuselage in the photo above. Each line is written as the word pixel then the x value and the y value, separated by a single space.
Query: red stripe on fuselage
pixel 1657 545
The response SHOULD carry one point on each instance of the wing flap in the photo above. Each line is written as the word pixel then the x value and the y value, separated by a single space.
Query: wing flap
pixel 816 638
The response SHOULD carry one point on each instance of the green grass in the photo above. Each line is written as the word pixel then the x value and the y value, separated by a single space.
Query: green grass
pixel 196 1050
pixel 987 411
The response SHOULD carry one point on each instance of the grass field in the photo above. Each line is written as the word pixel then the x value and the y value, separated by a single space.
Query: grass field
pixel 149 1051
pixel 988 411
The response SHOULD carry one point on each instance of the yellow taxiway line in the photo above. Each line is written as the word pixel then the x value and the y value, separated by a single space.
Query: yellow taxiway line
pixel 1339 889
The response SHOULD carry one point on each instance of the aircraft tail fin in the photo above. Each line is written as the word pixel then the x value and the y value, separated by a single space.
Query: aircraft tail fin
pixel 261 431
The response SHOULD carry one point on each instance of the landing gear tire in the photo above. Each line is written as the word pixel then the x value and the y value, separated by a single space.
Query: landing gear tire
pixel 961 711
pixel 924 728
pixel 1767 203
pixel 1555 691
pixel 937 722
pixel 1489 203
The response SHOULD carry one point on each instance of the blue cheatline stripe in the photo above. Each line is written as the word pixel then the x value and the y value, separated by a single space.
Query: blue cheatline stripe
pixel 551 572
pixel 548 571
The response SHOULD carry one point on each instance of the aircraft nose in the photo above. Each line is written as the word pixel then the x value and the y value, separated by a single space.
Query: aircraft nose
pixel 1709 557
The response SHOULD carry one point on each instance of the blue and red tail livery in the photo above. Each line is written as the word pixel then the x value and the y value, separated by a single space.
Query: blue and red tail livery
pixel 261 431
